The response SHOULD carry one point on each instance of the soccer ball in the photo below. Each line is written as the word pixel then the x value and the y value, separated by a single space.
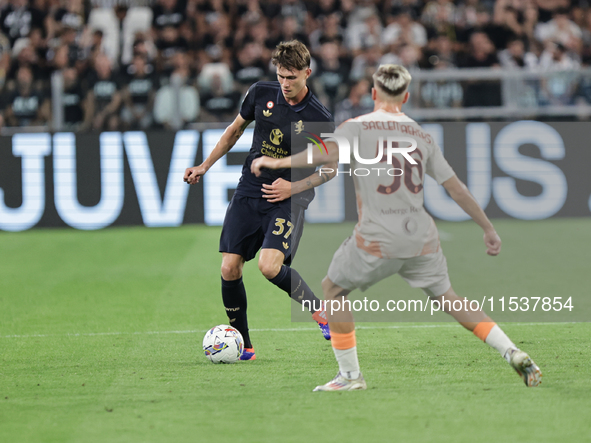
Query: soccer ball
pixel 223 344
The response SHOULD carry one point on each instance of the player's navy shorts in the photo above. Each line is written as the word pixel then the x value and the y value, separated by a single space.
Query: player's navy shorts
pixel 254 223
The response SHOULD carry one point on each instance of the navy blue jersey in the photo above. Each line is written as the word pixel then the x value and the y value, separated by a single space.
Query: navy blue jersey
pixel 265 104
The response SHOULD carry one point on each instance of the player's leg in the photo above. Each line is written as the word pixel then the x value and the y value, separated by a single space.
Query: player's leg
pixel 429 272
pixel 342 328
pixel 283 225
pixel 240 240
pixel 490 333
pixel 234 294
pixel 475 321
pixel 288 279
pixel 351 267
pixel 271 265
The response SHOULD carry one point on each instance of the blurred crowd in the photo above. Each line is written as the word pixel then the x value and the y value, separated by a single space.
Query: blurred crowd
pixel 125 64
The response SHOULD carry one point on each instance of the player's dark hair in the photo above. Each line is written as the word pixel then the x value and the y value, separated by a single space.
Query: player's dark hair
pixel 291 55
pixel 392 79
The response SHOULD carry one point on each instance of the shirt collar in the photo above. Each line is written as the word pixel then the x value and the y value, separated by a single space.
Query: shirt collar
pixel 301 105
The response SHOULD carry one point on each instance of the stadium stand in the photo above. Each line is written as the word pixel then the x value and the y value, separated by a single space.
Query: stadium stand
pixel 469 58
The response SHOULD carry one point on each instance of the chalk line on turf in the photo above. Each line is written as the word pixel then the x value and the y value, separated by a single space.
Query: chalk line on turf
pixel 195 331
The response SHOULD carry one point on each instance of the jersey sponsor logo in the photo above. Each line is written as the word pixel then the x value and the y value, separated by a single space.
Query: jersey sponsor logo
pixel 267 113
pixel 410 226
pixel 70 99
pixel 23 106
pixel 140 86
pixel 272 151
pixel 104 89
pixel 276 136
pixel 270 104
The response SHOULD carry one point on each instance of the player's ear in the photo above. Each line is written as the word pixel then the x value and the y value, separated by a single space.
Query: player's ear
pixel 374 94
pixel 406 96
pixel 308 72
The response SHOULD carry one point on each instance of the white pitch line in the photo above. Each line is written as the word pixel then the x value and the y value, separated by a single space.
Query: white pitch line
pixel 195 331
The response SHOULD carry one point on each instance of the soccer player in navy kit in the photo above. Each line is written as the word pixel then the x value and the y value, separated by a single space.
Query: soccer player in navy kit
pixel 267 212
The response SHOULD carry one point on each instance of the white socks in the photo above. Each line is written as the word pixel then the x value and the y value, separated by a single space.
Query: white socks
pixel 499 340
pixel 348 362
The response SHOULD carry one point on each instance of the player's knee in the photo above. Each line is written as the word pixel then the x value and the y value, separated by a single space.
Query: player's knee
pixel 330 290
pixel 269 269
pixel 327 284
pixel 231 271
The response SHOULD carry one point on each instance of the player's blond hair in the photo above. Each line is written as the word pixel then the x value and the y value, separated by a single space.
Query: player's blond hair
pixel 393 80
pixel 291 55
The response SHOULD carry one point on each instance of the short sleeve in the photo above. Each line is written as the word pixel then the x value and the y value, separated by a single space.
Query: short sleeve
pixel 437 165
pixel 248 104
pixel 349 129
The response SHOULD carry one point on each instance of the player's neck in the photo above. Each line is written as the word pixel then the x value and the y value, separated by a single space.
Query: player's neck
pixel 298 98
pixel 392 108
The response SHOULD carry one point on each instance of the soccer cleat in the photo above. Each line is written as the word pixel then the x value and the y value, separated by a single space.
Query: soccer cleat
pixel 325 330
pixel 320 318
pixel 340 383
pixel 248 354
pixel 525 367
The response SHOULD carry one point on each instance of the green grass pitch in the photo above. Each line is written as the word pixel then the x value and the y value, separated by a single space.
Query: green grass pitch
pixel 100 341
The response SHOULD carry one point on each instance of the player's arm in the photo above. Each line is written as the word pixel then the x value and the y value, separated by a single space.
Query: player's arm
pixel 222 147
pixel 324 174
pixel 462 196
pixel 281 189
pixel 299 160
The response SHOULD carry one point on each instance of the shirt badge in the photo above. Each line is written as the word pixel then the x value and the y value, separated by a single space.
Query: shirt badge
pixel 299 127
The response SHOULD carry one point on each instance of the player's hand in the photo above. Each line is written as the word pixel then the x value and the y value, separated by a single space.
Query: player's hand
pixel 278 191
pixel 192 175
pixel 492 242
pixel 259 163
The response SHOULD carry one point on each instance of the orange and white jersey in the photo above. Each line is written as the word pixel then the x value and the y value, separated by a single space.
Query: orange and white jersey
pixel 392 220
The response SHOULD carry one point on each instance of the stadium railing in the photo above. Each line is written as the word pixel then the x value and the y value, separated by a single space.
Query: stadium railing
pixel 450 94
pixel 463 94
